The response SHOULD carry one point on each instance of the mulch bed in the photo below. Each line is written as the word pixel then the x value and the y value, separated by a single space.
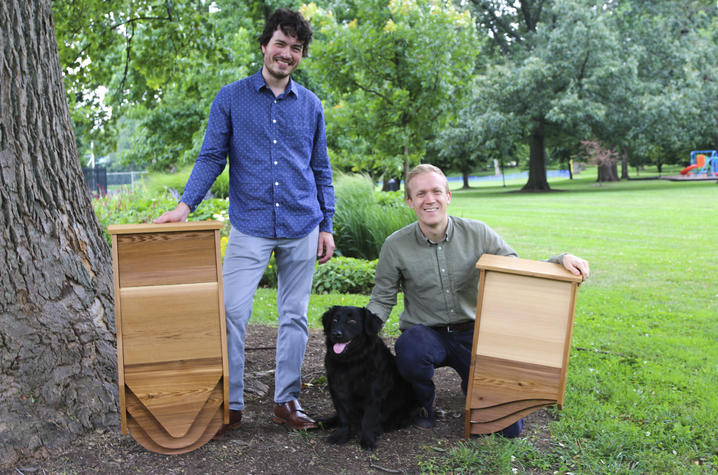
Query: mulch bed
pixel 262 446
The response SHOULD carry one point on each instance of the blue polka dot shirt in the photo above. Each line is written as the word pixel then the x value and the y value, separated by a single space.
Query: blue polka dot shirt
pixel 280 178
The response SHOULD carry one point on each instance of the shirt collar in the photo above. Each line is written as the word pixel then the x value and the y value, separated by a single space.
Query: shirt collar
pixel 425 240
pixel 258 83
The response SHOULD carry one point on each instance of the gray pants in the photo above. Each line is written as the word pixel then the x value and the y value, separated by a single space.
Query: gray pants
pixel 245 260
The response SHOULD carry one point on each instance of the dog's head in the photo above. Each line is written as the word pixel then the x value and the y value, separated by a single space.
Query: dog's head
pixel 344 325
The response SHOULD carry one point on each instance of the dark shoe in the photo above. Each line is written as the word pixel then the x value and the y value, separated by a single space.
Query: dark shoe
pixel 235 422
pixel 291 413
pixel 424 419
pixel 514 430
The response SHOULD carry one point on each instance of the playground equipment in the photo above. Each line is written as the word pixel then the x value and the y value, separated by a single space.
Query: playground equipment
pixel 703 163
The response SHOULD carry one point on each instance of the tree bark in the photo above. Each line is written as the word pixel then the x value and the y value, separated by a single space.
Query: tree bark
pixel 537 161
pixel 607 172
pixel 624 165
pixel 57 355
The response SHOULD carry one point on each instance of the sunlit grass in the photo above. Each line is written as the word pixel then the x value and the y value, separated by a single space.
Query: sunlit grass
pixel 642 390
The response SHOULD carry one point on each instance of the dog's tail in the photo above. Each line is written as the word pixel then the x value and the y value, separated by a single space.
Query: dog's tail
pixel 329 422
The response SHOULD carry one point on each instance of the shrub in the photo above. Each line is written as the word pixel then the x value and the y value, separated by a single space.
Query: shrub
pixel 364 217
pixel 141 206
pixel 344 275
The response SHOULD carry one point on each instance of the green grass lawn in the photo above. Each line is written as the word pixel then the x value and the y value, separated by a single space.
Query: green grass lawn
pixel 642 390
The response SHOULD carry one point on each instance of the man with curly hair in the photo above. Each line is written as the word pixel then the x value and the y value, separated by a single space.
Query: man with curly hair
pixel 281 201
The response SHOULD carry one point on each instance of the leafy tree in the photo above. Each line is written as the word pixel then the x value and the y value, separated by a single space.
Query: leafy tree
pixel 554 62
pixel 124 58
pixel 395 74
pixel 477 136
pixel 651 112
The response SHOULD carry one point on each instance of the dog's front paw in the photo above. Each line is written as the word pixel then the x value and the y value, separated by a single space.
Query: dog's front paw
pixel 340 436
pixel 368 443
pixel 328 422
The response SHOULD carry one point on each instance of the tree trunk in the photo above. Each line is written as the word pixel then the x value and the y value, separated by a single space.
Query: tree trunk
pixel 624 165
pixel 465 177
pixel 407 168
pixel 537 162
pixel 607 172
pixel 57 356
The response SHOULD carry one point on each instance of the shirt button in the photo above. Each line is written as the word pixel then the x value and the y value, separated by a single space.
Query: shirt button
pixel 274 141
pixel 274 121
pixel 443 270
pixel 439 247
pixel 275 162
pixel 446 291
pixel 276 204
pixel 276 183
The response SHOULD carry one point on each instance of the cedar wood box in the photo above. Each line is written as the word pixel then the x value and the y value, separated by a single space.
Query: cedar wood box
pixel 522 339
pixel 171 337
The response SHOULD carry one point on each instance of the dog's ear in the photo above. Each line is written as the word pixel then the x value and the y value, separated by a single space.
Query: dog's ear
pixel 327 318
pixel 372 323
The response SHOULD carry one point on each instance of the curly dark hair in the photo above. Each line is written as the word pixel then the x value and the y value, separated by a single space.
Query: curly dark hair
pixel 292 24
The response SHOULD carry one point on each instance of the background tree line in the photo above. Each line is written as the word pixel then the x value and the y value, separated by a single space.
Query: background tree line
pixel 460 83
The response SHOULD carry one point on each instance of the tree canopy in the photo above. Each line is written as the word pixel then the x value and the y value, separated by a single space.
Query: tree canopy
pixel 395 73
pixel 403 81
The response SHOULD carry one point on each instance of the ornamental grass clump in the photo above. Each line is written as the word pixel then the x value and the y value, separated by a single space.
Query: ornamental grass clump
pixel 364 217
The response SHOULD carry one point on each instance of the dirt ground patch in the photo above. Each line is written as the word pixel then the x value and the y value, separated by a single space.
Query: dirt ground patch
pixel 261 446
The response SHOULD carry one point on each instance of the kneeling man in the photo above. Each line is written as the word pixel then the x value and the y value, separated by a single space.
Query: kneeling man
pixel 433 262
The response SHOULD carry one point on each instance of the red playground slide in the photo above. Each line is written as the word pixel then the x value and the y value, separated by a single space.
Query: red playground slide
pixel 689 168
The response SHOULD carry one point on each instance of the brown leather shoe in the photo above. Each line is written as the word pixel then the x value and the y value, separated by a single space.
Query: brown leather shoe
pixel 291 413
pixel 235 422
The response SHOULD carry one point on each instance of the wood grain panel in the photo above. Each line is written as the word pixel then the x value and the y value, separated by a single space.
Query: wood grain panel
pixel 118 330
pixel 222 326
pixel 174 393
pixel 490 414
pixel 166 258
pixel 144 228
pixel 146 441
pixel 499 424
pixel 151 426
pixel 524 318
pixel 170 322
pixel 527 267
pixel 497 381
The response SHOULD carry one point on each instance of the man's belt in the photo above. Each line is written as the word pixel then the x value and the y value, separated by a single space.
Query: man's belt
pixel 456 327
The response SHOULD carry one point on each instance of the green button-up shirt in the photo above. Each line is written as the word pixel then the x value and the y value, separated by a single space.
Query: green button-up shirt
pixel 439 280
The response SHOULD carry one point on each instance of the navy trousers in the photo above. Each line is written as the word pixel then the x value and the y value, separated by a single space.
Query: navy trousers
pixel 421 349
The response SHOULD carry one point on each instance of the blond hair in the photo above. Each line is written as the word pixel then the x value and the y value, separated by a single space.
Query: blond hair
pixel 420 170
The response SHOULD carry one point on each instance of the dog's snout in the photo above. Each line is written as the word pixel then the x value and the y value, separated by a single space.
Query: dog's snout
pixel 337 333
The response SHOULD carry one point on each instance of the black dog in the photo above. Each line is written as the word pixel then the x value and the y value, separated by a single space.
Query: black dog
pixel 363 379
